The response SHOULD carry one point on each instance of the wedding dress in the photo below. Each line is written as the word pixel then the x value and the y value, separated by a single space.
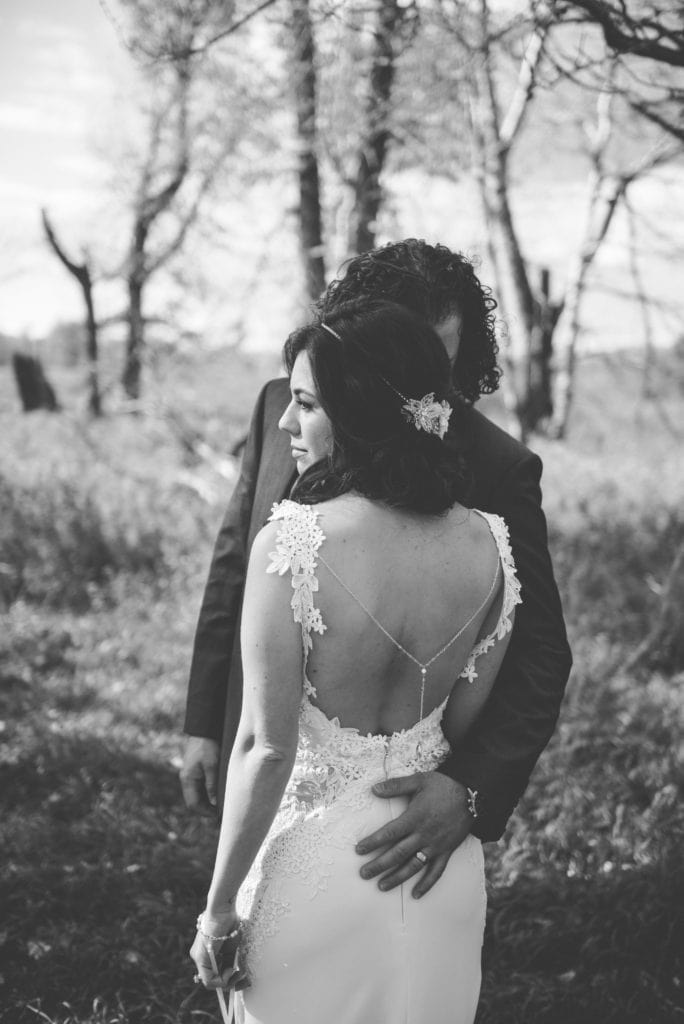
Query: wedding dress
pixel 322 945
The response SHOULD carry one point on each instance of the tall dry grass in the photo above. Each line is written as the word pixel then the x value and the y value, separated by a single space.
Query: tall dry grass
pixel 104 542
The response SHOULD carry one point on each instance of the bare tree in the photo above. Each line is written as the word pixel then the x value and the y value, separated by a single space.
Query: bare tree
pixel 621 148
pixel 494 128
pixel 608 189
pixel 541 332
pixel 154 195
pixel 196 112
pixel 83 273
pixel 179 29
pixel 310 218
pixel 390 17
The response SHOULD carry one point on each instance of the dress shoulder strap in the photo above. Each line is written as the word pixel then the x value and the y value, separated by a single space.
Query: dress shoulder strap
pixel 511 593
pixel 297 542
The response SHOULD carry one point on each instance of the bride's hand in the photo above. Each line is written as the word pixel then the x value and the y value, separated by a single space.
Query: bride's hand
pixel 226 953
pixel 434 824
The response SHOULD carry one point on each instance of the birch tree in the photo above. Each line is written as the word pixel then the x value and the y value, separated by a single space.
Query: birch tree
pixel 608 189
pixel 494 125
pixel 542 325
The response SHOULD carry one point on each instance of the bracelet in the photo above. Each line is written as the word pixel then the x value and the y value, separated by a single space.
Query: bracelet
pixel 215 938
pixel 470 802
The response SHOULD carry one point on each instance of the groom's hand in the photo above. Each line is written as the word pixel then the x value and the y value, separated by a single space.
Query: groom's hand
pixel 199 775
pixel 435 822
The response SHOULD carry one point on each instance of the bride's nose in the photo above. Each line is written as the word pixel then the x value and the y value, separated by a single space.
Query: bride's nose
pixel 289 421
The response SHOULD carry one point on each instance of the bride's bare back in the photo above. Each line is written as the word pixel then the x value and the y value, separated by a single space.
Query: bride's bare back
pixel 422 578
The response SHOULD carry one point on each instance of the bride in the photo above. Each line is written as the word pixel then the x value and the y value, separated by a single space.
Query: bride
pixel 377 611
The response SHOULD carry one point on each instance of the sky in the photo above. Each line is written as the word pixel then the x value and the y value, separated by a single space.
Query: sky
pixel 66 86
pixel 65 80
pixel 60 67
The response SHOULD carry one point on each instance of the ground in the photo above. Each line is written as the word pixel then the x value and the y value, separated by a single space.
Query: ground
pixel 105 536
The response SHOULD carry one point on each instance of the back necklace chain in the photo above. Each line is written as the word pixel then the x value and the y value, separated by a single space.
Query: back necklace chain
pixel 423 666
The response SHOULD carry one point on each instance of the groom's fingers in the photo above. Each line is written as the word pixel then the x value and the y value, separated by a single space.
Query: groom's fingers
pixel 390 834
pixel 409 868
pixel 433 872
pixel 399 854
pixel 398 828
pixel 404 785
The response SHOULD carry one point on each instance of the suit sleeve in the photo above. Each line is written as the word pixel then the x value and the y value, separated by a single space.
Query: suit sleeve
pixel 219 617
pixel 497 758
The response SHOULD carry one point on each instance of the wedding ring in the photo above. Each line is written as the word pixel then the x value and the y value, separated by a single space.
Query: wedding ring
pixel 196 979
pixel 422 857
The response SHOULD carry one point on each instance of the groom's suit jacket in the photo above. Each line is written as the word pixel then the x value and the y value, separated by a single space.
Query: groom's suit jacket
pixel 497 757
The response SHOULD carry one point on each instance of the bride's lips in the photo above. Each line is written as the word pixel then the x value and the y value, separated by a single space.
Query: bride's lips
pixel 297 452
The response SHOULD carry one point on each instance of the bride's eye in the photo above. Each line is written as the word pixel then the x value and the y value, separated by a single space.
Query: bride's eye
pixel 308 406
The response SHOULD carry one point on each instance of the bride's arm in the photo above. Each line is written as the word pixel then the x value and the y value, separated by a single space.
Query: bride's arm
pixel 266 741
pixel 467 698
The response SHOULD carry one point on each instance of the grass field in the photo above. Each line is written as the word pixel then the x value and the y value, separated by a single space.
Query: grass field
pixel 105 535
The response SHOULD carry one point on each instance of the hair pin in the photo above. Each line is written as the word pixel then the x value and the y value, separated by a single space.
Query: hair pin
pixel 330 330
pixel 425 413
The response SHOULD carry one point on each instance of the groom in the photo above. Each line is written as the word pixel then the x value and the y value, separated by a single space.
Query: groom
pixel 478 787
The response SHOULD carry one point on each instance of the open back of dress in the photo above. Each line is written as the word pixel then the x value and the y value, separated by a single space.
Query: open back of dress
pixel 322 945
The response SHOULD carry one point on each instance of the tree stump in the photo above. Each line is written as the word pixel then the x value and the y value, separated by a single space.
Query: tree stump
pixel 34 388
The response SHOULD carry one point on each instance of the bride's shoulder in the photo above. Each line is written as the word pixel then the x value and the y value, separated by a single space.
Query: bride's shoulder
pixel 289 540
pixel 480 530
pixel 344 513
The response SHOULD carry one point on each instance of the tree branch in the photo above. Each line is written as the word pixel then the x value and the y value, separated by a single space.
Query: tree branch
pixel 80 271
pixel 188 220
pixel 626 34
pixel 525 85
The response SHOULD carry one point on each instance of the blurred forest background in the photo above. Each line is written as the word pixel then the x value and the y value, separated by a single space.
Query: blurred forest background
pixel 247 149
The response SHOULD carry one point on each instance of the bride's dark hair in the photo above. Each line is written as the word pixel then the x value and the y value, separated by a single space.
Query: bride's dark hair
pixel 382 349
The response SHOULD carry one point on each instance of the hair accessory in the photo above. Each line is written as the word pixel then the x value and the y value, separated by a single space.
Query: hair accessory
pixel 330 330
pixel 425 413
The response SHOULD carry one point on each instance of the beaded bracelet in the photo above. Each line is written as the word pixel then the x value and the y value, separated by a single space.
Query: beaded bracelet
pixel 215 938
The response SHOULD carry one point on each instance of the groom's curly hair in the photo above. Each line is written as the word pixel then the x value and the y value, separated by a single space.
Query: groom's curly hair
pixel 435 283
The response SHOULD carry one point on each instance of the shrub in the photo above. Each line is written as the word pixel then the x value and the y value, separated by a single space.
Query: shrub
pixel 57 542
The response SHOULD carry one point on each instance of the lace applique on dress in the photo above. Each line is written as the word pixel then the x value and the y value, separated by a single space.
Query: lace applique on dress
pixel 511 594
pixel 297 542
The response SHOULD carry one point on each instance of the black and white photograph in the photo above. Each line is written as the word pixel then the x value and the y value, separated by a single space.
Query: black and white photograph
pixel 341 512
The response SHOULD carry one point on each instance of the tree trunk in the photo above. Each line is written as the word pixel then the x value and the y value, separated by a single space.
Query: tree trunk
pixel 605 194
pixel 94 399
pixel 151 203
pixel 374 141
pixel 34 388
pixel 83 274
pixel 310 220
pixel 539 406
pixel 513 289
pixel 135 340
